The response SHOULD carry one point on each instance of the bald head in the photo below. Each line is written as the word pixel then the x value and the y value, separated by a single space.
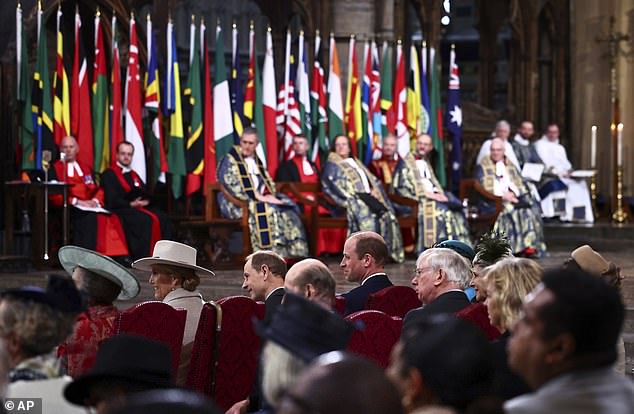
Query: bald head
pixel 69 147
pixel 497 149
pixel 389 146
pixel 312 279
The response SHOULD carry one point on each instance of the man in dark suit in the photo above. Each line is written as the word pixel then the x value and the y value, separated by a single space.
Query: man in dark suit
pixel 364 257
pixel 440 277
pixel 299 168
pixel 264 273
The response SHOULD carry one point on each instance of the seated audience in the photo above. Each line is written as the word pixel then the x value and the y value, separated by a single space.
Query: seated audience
pixel 503 132
pixel 508 282
pixel 349 183
pixel 101 280
pixel 313 280
pixel 564 346
pixel 299 169
pixel 33 321
pixel 174 279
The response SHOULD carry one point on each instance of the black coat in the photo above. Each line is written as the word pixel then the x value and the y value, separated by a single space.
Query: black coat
pixel 357 298
pixel 449 302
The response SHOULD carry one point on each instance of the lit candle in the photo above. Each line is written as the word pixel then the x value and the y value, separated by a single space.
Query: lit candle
pixel 593 148
pixel 619 145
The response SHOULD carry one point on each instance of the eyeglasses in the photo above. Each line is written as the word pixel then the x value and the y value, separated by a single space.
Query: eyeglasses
pixel 420 270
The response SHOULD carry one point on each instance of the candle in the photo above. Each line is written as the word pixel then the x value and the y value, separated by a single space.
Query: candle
pixel 593 148
pixel 619 145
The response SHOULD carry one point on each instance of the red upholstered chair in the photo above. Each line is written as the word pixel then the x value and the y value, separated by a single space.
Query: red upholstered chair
pixel 375 342
pixel 158 321
pixel 239 348
pixel 394 300
pixel 340 304
pixel 202 368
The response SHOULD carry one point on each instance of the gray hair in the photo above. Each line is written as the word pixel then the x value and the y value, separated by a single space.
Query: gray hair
pixel 502 123
pixel 457 268
pixel 280 369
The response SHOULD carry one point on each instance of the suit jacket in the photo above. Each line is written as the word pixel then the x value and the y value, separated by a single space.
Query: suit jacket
pixel 357 298
pixel 271 303
pixel 449 302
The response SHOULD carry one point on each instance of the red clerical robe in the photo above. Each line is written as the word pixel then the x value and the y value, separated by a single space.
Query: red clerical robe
pixel 95 231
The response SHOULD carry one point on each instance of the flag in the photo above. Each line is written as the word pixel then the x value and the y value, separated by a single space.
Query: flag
pixel 425 119
pixel 101 137
pixel 249 94
pixel 375 103
pixel 61 99
pixel 399 107
pixel 387 120
pixel 436 119
pixel 235 87
pixel 368 132
pixel 80 115
pixel 413 92
pixel 153 125
pixel 176 153
pixel 454 120
pixel 318 104
pixel 133 120
pixel 352 115
pixel 41 97
pixel 268 106
pixel 209 154
pixel 223 125
pixel 195 139
pixel 254 90
pixel 288 117
pixel 303 88
pixel 335 103
pixel 25 145
pixel 116 124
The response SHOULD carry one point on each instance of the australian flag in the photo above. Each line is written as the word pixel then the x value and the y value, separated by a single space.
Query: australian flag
pixel 454 120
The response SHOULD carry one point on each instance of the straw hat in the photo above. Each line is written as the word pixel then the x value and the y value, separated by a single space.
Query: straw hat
pixel 172 253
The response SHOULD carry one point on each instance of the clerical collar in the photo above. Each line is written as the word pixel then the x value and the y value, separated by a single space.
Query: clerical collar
pixel 72 167
pixel 124 169
pixel 521 140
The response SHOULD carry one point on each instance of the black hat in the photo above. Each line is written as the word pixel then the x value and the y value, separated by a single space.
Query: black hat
pixel 306 329
pixel 167 402
pixel 128 358
pixel 60 294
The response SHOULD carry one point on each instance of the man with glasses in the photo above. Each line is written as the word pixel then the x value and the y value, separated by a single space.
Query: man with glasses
pixel 439 279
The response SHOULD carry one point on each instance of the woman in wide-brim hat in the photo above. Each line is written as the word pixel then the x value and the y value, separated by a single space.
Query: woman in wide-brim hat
pixel 101 280
pixel 174 279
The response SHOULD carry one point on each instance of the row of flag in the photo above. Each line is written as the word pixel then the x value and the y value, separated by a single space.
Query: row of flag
pixel 94 110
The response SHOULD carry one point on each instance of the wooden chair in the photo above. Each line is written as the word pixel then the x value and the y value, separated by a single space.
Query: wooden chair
pixel 158 321
pixel 394 300
pixel 376 340
pixel 406 221
pixel 204 359
pixel 479 221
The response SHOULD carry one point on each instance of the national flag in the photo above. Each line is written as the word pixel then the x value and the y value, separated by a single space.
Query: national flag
pixel 80 115
pixel 282 97
pixel 366 98
pixel 335 102
pixel 209 155
pixel 375 103
pixel 288 117
pixel 454 119
pixel 268 106
pixel 352 115
pixel 388 120
pixel 318 104
pixel 41 97
pixel 116 120
pixel 249 94
pixel 101 137
pixel 153 125
pixel 176 152
pixel 195 139
pixel 303 87
pixel 133 119
pixel 399 107
pixel 413 92
pixel 235 87
pixel 61 99
pixel 25 155
pixel 254 88
pixel 425 119
pixel 223 125
pixel 436 119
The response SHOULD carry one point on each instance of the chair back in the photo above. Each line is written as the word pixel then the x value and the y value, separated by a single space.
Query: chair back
pixel 158 321
pixel 239 350
pixel 394 300
pixel 380 334
pixel 340 304
pixel 204 357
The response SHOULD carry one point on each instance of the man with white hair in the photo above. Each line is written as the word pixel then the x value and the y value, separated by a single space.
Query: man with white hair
pixel 502 131
pixel 439 279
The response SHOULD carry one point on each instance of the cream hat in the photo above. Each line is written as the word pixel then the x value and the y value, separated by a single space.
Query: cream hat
pixel 172 253
pixel 72 256
pixel 590 261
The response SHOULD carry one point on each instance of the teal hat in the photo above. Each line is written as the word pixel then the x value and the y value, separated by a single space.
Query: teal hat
pixel 462 248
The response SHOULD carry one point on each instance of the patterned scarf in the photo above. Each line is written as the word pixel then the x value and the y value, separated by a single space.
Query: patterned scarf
pixel 40 367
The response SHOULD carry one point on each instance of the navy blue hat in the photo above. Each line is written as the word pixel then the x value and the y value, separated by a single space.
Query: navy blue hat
pixel 462 248
pixel 306 329
pixel 60 294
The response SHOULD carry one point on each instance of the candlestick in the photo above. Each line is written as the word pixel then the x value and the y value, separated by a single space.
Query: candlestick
pixel 593 148
pixel 619 146
pixel 593 195
pixel 619 215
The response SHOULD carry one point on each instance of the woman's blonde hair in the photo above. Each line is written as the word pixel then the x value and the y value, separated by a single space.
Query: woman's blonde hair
pixel 188 277
pixel 511 280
